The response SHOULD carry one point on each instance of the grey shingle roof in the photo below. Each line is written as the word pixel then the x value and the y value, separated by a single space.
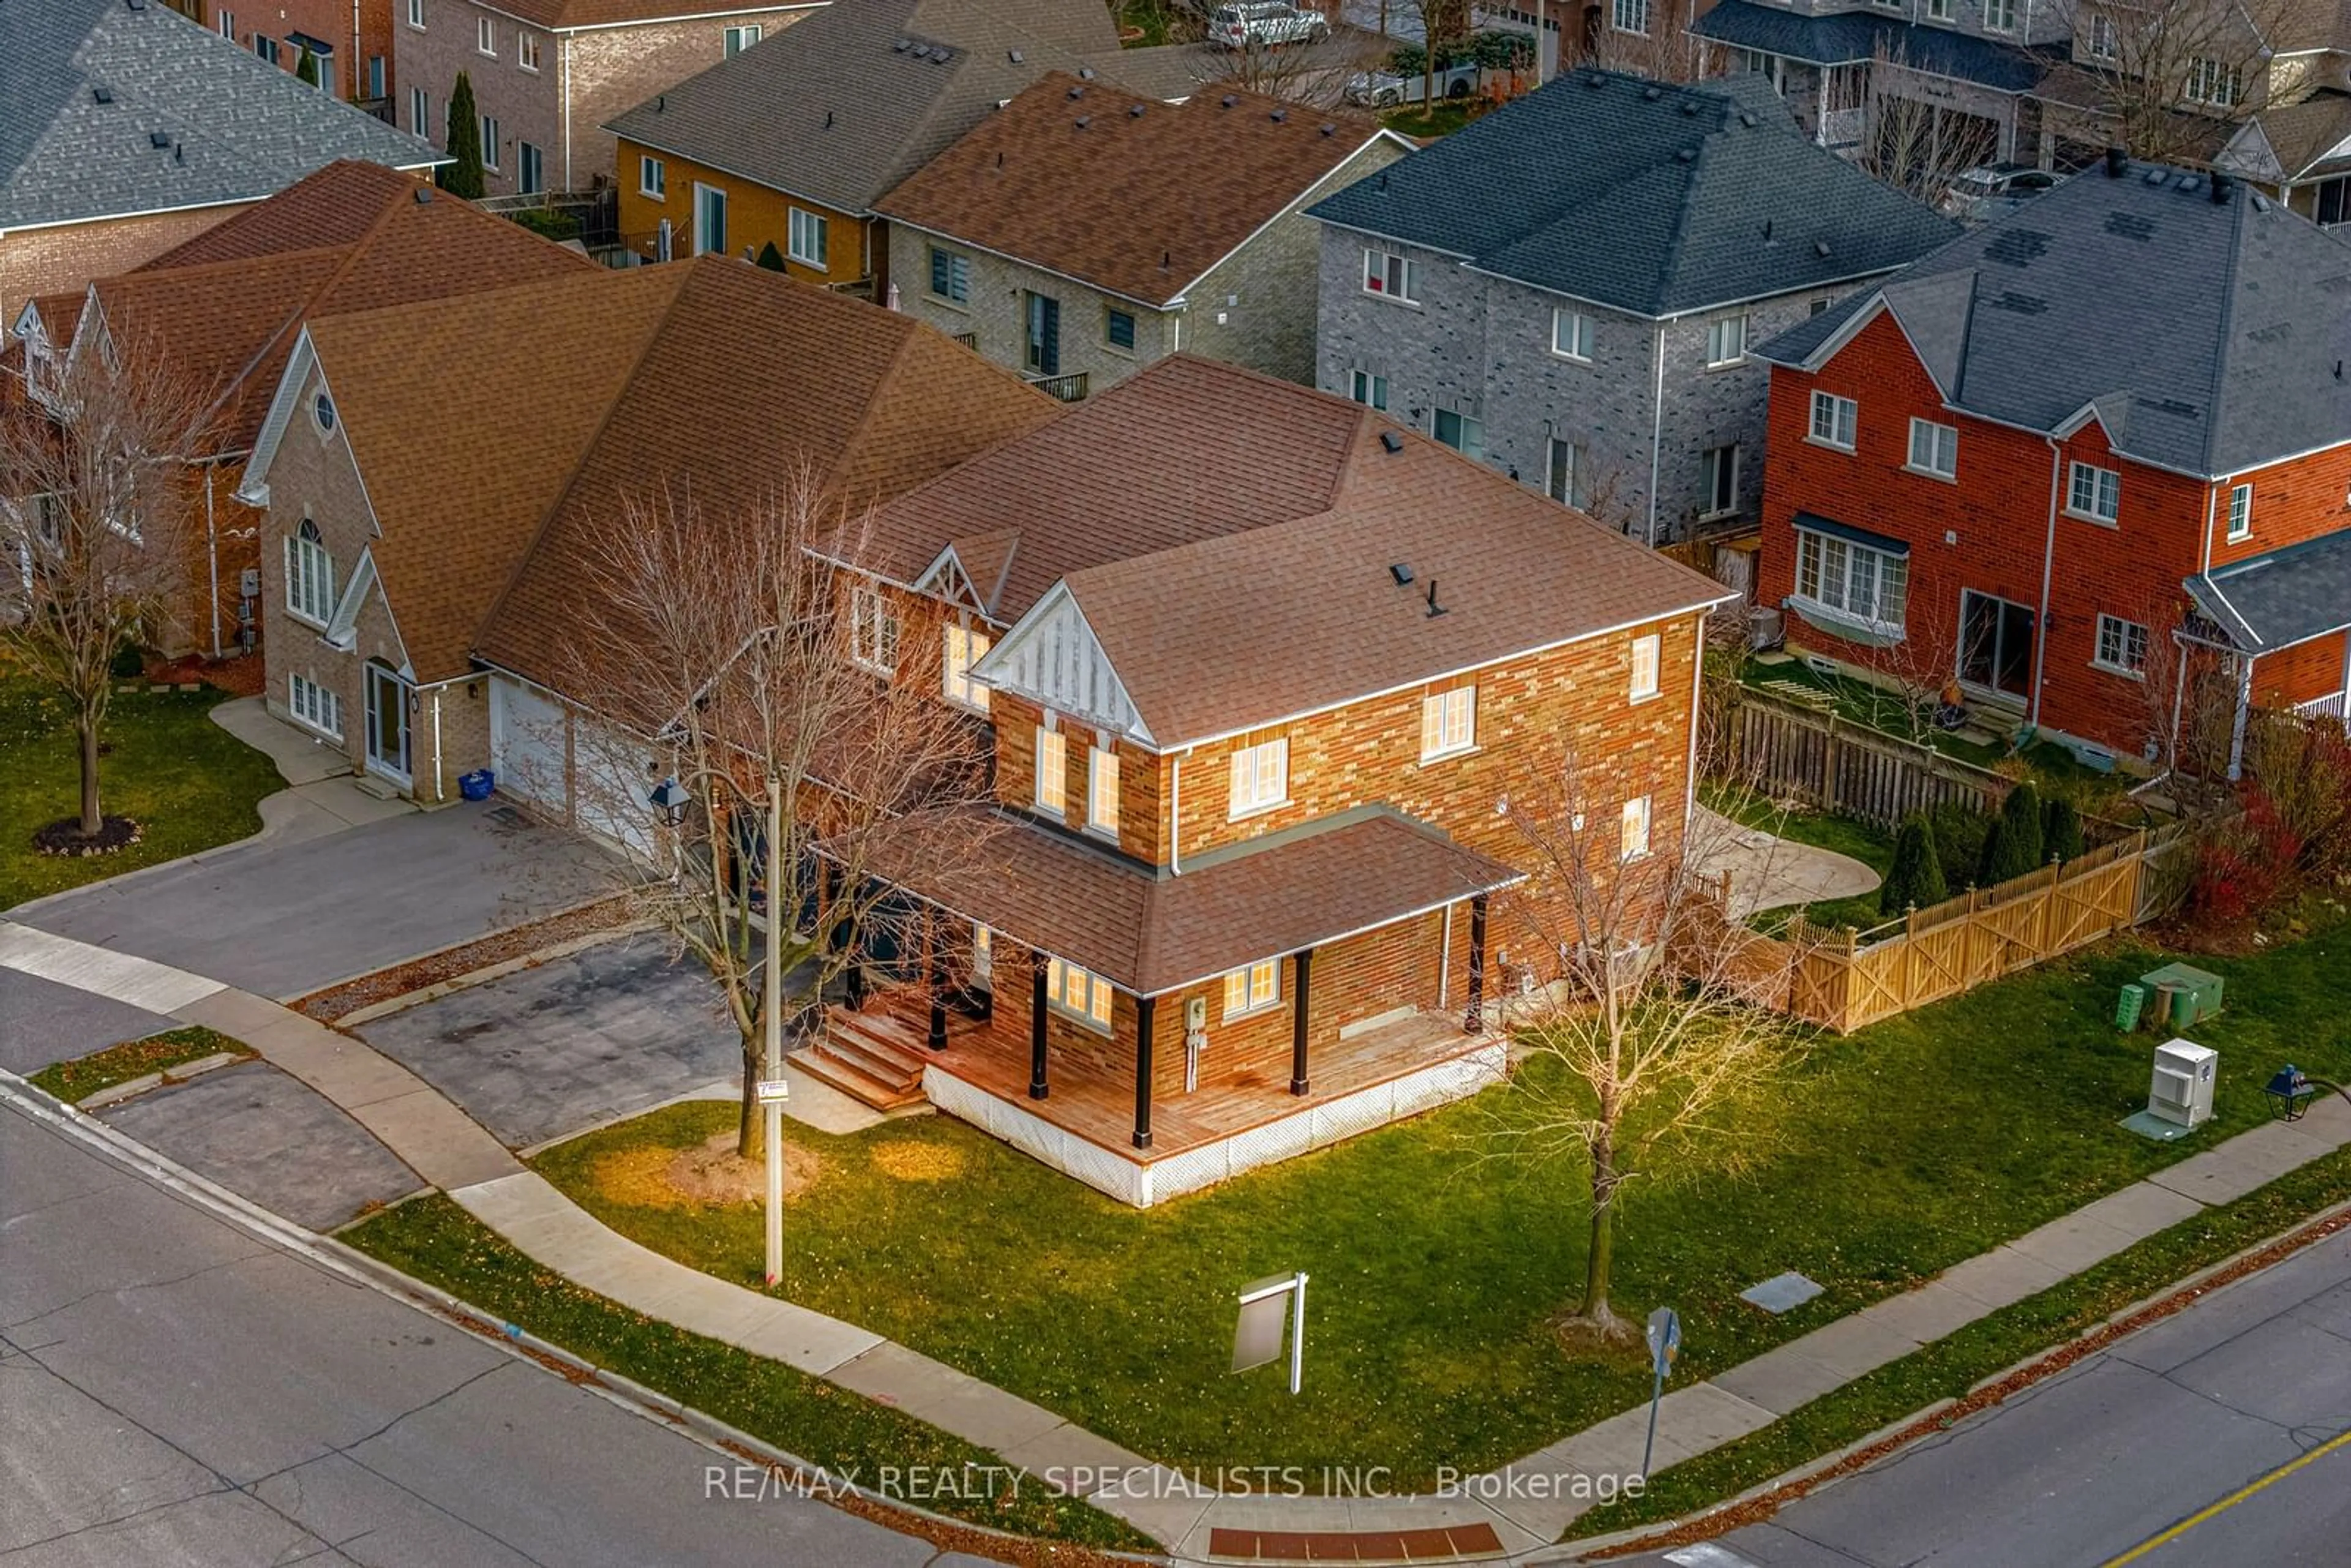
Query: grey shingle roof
pixel 238 129
pixel 2207 335
pixel 1852 36
pixel 2285 597
pixel 842 106
pixel 1651 198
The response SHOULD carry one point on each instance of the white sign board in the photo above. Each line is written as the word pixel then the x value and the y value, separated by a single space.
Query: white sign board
pixel 775 1090
pixel 1266 1306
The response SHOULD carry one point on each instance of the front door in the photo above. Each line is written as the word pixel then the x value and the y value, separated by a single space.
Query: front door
pixel 1044 335
pixel 387 722
pixel 1995 645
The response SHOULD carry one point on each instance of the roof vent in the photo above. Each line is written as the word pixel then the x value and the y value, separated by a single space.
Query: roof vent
pixel 159 139
pixel 902 45
pixel 1393 442
pixel 1228 101
pixel 102 95
pixel 1651 93
pixel 1279 115
pixel 1687 155
pixel 941 55
pixel 1085 73
pixel 1595 79
pixel 1135 111
pixel 1398 572
pixel 1077 92
pixel 1820 247
pixel 2155 176
pixel 1747 118
pixel 828 119
pixel 1014 56
pixel 136 5
pixel 1689 106
pixel 1435 608
pixel 1083 122
pixel 661 101
pixel 1328 129
pixel 1767 231
pixel 1167 259
pixel 2261 203
pixel 424 195
pixel 2117 161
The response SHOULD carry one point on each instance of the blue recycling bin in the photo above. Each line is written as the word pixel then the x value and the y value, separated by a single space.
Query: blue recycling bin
pixel 477 785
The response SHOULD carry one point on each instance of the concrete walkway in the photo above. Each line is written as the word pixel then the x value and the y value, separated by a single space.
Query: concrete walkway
pixel 1767 872
pixel 1528 1504
pixel 322 795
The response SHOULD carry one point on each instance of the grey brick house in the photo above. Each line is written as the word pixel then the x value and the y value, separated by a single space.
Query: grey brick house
pixel 1568 288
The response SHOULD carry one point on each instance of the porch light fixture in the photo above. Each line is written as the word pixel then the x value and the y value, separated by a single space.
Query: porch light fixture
pixel 670 799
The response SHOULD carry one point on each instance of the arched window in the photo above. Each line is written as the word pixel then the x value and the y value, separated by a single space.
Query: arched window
pixel 309 575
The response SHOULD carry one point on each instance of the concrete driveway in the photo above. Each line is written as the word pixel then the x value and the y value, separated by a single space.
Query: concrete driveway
pixel 42 1021
pixel 282 918
pixel 609 1031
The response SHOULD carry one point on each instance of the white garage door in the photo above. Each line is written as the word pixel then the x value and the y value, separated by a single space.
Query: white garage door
pixel 527 747
pixel 612 776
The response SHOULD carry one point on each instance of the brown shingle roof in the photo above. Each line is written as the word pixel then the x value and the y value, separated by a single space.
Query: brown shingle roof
pixel 1188 449
pixel 554 14
pixel 1148 933
pixel 1130 194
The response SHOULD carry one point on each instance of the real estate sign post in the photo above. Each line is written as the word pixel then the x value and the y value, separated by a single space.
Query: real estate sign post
pixel 1265 1307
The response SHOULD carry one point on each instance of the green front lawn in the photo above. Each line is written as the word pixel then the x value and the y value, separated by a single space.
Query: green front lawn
pixel 75 1080
pixel 188 782
pixel 1895 1153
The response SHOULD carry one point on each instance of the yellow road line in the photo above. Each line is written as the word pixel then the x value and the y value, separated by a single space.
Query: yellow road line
pixel 2226 1503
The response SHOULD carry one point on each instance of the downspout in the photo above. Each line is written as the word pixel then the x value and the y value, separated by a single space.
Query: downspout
pixel 212 555
pixel 2048 565
pixel 1697 674
pixel 358 59
pixel 1176 812
pixel 567 115
pixel 1445 963
pixel 2237 729
pixel 2211 499
pixel 438 795
pixel 1657 428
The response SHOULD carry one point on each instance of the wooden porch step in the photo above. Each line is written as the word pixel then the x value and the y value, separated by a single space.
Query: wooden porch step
pixel 894 1047
pixel 861 1086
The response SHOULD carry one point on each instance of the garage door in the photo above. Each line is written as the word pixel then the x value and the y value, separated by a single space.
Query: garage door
pixel 612 779
pixel 527 747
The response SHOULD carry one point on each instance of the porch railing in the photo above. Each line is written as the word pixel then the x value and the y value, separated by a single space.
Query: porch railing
pixel 1071 388
pixel 1842 127
pixel 968 339
pixel 2335 706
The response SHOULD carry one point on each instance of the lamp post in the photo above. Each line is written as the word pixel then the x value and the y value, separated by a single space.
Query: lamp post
pixel 771 1013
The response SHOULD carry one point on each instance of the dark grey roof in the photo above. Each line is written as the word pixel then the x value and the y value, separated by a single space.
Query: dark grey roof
pixel 238 129
pixel 2285 597
pixel 842 106
pixel 1851 36
pixel 2207 335
pixel 1651 198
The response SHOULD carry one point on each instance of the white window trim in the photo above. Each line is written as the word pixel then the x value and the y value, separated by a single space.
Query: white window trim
pixel 1096 823
pixel 1236 809
pixel 1410 295
pixel 526 53
pixel 1812 421
pixel 2075 466
pixel 648 164
pixel 1050 789
pixel 1731 508
pixel 1625 854
pixel 974 697
pixel 1656 643
pixel 1055 969
pixel 416 15
pixel 1718 325
pixel 794 220
pixel 485 37
pixel 2098 660
pixel 1935 446
pixel 1251 1002
pixel 871 604
pixel 1442 704
pixel 1585 334
pixel 1819 609
pixel 317 565
pixel 2241 520
pixel 326 702
pixel 490 138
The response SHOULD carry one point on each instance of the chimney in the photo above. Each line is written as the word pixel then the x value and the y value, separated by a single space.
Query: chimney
pixel 2221 185
pixel 2115 160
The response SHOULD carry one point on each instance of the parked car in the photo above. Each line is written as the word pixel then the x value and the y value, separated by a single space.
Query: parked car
pixel 1386 90
pixel 1265 22
pixel 1993 188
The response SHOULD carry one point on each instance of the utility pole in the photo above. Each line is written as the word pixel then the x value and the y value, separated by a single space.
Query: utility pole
pixel 771 1010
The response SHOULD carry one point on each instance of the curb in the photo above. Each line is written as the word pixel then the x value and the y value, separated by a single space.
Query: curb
pixel 294 1003
pixel 472 977
pixel 131 1089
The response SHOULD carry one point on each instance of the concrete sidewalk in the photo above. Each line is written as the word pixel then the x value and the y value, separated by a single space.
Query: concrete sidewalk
pixel 1528 1504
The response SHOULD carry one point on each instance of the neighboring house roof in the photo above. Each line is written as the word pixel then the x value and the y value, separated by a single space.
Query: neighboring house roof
pixel 1133 196
pixel 841 107
pixel 1644 196
pixel 1851 38
pixel 2293 142
pixel 2206 337
pixel 1148 932
pixel 2285 597
pixel 227 306
pixel 2297 26
pixel 231 127
pixel 564 16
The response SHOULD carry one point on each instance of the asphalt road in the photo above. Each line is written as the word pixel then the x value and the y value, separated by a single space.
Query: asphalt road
pixel 2202 1442
pixel 174 1390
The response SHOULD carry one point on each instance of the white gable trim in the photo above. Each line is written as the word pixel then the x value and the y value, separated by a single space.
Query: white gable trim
pixel 1183 295
pixel 947 578
pixel 343 627
pixel 1051 656
pixel 253 489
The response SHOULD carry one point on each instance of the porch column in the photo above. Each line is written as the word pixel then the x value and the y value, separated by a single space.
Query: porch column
pixel 1143 1010
pixel 1298 1023
pixel 1474 1019
pixel 938 1035
pixel 1037 1088
pixel 2237 729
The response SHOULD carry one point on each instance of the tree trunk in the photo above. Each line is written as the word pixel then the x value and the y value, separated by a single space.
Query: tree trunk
pixel 1594 1311
pixel 748 1131
pixel 86 727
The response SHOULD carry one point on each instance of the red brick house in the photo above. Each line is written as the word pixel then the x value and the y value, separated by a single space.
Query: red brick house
pixel 2103 439
pixel 1262 670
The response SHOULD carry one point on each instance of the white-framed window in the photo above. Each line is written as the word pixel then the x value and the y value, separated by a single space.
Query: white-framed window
pixel 2121 646
pixel 1052 792
pixel 741 38
pixel 1252 989
pixel 1563 471
pixel 1633 841
pixel 2000 16
pixel 310 576
pixel 266 48
pixel 1463 433
pixel 1935 448
pixel 872 630
pixel 420 111
pixel 1448 723
pixel 1118 329
pixel 1633 16
pixel 490 138
pixel 2213 81
pixel 805 238
pixel 1834 420
pixel 653 178
pixel 1368 388
pixel 1721 475
pixel 1571 334
pixel 1077 993
pixel 322 412
pixel 960 648
pixel 2241 510
pixel 225 23
pixel 982 955
pixel 375 79
pixel 530 168
pixel 1261 776
pixel 1102 790
pixel 709 220
pixel 1726 342
pixel 527 48
pixel 2101 36
pixel 950 277
pixel 1647 651
pixel 416 14
pixel 485 37
pixel 1391 275
pixel 1869 585
pixel 315 705
pixel 2094 493
pixel 1939 10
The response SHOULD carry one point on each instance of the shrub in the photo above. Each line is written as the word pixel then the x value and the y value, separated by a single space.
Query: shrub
pixel 2061 831
pixel 1916 878
pixel 462 176
pixel 2012 847
pixel 129 664
pixel 1958 836
pixel 547 224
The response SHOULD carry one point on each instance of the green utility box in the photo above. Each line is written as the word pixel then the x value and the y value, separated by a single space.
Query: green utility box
pixel 2127 1007
pixel 2195 995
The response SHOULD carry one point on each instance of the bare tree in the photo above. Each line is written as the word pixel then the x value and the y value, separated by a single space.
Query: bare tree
pixel 1308 71
pixel 2167 78
pixel 1645 1027
pixel 1909 141
pixel 2188 695
pixel 720 643
pixel 1646 37
pixel 95 481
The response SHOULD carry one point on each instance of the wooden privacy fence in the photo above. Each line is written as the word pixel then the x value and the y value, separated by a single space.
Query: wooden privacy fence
pixel 1838 766
pixel 1847 979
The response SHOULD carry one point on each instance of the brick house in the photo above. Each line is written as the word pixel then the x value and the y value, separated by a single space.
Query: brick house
pixel 1082 232
pixel 1583 323
pixel 548 74
pixel 102 169
pixel 1993 469
pixel 792 144
pixel 350 43
pixel 226 309
pixel 1252 737
pixel 419 571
